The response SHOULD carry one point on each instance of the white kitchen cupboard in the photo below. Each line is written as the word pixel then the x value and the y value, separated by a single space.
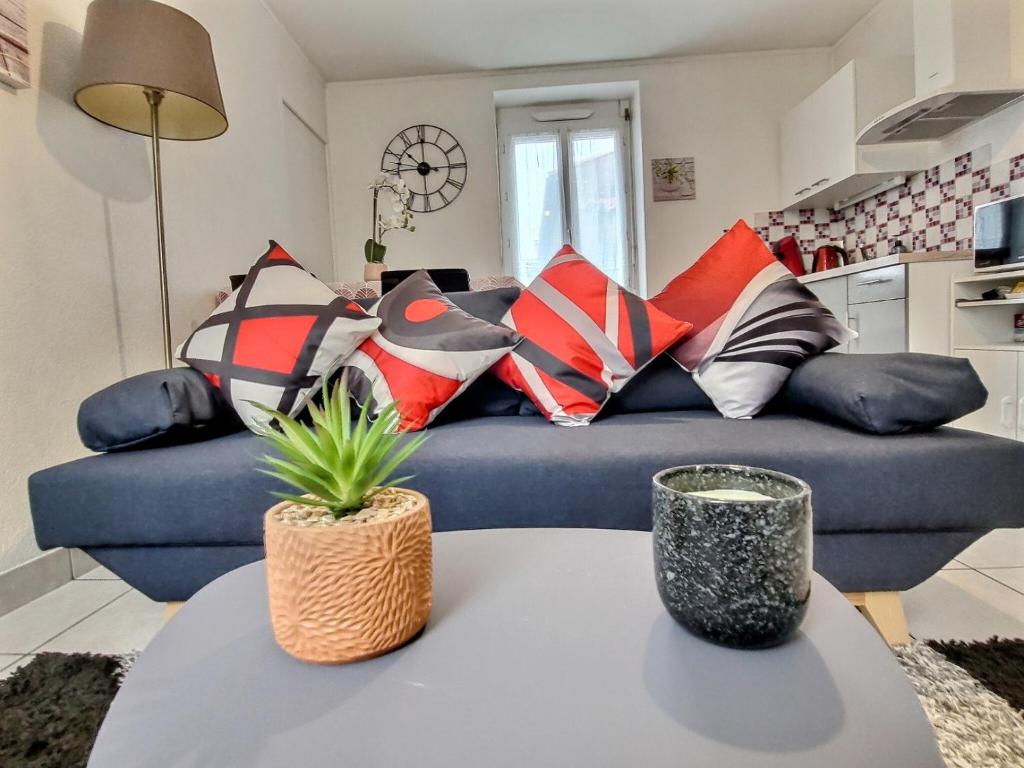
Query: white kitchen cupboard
pixel 881 327
pixel 982 332
pixel 1003 375
pixel 821 163
pixel 895 303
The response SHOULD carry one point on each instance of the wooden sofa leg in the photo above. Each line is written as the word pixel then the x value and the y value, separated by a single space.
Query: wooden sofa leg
pixel 170 609
pixel 885 612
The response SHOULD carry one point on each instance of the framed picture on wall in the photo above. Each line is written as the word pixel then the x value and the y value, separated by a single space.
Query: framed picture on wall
pixel 13 44
pixel 673 179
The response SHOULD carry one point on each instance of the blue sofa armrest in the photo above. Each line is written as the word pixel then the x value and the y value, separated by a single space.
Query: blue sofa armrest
pixel 158 408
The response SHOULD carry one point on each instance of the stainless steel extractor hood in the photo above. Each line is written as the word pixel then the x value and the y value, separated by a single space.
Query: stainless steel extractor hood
pixel 935 116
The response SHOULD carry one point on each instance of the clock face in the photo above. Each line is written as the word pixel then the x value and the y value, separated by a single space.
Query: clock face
pixel 432 163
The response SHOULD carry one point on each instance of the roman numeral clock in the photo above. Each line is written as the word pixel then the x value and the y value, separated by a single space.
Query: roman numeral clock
pixel 432 163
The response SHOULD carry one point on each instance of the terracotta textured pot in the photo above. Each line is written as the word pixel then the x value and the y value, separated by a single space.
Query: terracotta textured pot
pixel 372 270
pixel 349 592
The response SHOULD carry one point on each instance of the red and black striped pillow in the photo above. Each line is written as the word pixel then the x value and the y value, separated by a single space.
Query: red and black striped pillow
pixel 753 322
pixel 585 336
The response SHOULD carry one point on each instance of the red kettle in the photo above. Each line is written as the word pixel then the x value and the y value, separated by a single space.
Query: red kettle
pixel 829 257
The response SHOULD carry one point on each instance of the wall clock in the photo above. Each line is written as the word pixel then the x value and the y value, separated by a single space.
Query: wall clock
pixel 432 163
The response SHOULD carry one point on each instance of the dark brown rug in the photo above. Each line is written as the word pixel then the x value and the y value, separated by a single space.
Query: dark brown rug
pixel 51 708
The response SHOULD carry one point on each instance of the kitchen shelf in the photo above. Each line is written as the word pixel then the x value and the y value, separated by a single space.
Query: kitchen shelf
pixel 967 304
pixel 990 347
pixel 990 277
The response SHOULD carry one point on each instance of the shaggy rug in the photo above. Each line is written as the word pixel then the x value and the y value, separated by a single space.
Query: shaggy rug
pixel 973 694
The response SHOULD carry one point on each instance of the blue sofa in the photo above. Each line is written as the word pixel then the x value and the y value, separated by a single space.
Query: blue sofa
pixel 180 503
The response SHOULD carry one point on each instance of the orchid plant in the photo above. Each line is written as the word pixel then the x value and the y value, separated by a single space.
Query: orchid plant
pixel 400 217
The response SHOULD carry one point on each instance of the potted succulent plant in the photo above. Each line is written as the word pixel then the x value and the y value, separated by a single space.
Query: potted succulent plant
pixel 349 559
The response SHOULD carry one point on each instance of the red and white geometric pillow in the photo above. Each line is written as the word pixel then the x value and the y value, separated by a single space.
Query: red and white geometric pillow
pixel 425 352
pixel 275 338
pixel 585 337
pixel 753 322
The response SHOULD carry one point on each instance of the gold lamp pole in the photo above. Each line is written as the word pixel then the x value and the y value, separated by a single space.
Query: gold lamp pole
pixel 148 68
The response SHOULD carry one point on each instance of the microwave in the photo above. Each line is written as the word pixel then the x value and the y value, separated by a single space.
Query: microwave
pixel 999 235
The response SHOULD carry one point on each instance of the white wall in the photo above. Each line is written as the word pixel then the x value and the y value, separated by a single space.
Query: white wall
pixel 887 30
pixel 79 302
pixel 722 110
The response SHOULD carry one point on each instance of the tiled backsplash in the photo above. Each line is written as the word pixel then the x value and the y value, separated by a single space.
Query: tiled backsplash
pixel 933 210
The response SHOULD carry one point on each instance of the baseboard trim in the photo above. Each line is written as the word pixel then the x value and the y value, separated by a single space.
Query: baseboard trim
pixel 23 583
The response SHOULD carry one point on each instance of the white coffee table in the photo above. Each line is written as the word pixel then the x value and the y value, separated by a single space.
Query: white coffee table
pixel 545 648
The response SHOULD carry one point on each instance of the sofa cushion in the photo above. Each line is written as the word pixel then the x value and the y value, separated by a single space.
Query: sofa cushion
pixel 175 405
pixel 425 353
pixel 274 340
pixel 753 322
pixel 584 337
pixel 513 471
pixel 660 386
pixel 487 396
pixel 885 394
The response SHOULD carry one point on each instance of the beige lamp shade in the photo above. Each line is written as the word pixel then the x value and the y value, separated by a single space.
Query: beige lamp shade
pixel 130 46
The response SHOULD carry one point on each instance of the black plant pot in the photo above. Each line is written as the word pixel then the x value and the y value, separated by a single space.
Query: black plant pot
pixel 737 573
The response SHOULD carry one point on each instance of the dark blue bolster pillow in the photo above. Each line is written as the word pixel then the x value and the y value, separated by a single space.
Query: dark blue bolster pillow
pixel 152 409
pixel 884 394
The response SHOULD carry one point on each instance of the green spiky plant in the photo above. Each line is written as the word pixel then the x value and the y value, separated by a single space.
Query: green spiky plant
pixel 341 465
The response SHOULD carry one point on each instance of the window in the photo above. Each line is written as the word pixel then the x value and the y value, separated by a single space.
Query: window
pixel 565 178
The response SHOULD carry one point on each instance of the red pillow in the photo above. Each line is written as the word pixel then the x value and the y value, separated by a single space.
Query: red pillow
pixel 585 336
pixel 753 322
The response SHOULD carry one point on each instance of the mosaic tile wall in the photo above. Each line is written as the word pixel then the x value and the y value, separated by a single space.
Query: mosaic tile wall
pixel 933 210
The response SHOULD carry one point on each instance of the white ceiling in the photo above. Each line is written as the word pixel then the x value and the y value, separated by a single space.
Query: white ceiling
pixel 367 39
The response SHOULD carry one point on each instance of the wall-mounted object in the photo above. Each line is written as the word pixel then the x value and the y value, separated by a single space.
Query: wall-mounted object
pixel 673 178
pixel 822 166
pixel 14 69
pixel 968 63
pixel 148 68
pixel 431 162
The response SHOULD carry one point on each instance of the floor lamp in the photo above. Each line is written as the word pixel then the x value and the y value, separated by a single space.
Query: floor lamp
pixel 148 68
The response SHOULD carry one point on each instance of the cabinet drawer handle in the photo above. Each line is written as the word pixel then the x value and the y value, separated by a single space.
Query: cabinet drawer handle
pixel 876 281
pixel 801 191
pixel 819 182
pixel 1020 412
pixel 1006 415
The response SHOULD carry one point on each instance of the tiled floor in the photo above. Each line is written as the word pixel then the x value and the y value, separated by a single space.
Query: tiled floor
pixel 978 595
pixel 97 612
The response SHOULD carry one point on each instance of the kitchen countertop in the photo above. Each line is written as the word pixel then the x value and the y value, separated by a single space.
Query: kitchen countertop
pixel 888 261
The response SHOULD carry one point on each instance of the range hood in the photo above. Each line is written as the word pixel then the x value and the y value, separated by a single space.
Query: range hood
pixel 935 116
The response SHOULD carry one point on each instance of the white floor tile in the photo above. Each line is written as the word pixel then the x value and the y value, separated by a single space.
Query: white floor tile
pixel 99 573
pixel 1011 577
pixel 25 629
pixel 1003 548
pixel 954 565
pixel 18 663
pixel 963 605
pixel 127 624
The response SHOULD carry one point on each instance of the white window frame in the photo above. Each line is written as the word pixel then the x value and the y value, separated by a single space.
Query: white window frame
pixel 520 121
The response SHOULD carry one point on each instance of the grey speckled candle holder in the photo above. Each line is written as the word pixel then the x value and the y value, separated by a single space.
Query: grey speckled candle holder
pixel 737 573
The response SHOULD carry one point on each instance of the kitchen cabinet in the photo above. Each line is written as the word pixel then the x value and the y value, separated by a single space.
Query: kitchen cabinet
pixel 898 303
pixel 1003 375
pixel 983 333
pixel 881 326
pixel 821 163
